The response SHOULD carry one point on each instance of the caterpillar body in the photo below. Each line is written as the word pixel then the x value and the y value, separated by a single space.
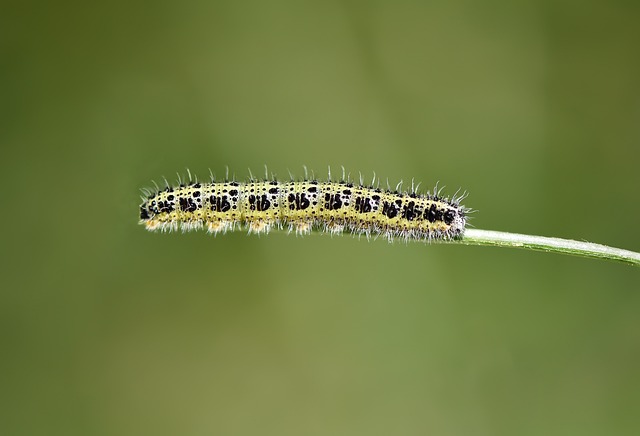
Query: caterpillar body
pixel 302 206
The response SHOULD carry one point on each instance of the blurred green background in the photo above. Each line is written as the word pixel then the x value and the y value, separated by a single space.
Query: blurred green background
pixel 106 329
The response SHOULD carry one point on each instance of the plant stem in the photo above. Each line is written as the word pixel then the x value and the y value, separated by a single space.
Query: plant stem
pixel 556 245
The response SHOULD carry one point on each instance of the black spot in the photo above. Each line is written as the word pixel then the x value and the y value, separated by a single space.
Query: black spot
pixel 347 192
pixel 171 197
pixel 233 192
pixel 260 203
pixel 197 186
pixel 144 213
pixel 273 182
pixel 430 213
pixel 196 194
pixel 449 216
pixel 433 214
pixel 363 205
pixel 332 201
pixel 375 197
pixel 264 203
pixel 312 189
pixel 219 204
pixel 298 201
pixel 187 205
pixel 165 207
pixel 304 201
pixel 192 205
pixel 273 191
pixel 234 184
pixel 408 211
pixel 390 210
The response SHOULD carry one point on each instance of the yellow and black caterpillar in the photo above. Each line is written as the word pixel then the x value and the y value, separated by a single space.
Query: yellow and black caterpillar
pixel 303 206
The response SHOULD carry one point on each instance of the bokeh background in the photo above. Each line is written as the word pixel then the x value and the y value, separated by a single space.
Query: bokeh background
pixel 533 107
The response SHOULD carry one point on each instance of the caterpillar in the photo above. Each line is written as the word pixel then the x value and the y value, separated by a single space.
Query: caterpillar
pixel 300 206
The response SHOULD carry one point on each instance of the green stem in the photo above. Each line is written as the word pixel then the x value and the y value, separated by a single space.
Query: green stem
pixel 556 245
